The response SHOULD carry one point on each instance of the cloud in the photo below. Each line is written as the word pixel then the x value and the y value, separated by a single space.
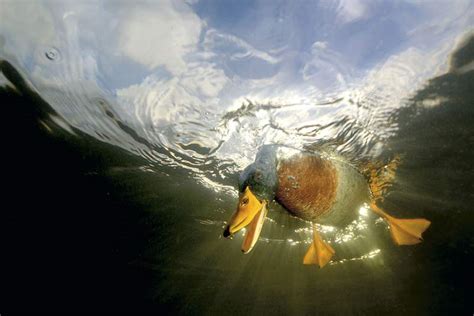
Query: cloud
pixel 160 35
pixel 32 25
pixel 199 85
pixel 351 10
pixel 235 47
pixel 204 80
pixel 180 110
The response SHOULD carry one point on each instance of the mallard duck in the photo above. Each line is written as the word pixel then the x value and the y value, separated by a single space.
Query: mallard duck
pixel 314 187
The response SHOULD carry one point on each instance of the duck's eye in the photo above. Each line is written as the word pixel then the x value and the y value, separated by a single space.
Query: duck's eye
pixel 245 201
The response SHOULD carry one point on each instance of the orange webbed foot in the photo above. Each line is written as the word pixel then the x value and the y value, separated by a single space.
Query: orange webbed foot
pixel 320 252
pixel 404 231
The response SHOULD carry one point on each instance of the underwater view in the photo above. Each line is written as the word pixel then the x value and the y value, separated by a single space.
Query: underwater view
pixel 239 157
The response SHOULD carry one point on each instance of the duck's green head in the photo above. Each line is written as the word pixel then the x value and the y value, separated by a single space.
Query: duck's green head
pixel 257 185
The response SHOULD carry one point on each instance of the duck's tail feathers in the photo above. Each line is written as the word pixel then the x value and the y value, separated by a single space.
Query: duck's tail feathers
pixel 381 176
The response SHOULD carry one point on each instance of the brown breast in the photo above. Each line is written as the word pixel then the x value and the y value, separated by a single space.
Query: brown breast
pixel 307 186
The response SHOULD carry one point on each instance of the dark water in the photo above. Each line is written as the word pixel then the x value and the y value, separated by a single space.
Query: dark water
pixel 105 211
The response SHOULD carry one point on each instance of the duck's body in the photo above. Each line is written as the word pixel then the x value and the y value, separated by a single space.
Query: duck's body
pixel 308 185
pixel 321 190
pixel 313 187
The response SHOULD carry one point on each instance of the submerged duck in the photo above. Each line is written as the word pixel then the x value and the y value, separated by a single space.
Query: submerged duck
pixel 313 187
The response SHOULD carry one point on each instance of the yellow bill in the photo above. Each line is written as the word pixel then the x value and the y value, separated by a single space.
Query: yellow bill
pixel 250 212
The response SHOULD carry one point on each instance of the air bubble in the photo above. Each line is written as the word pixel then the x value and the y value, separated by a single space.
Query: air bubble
pixel 52 54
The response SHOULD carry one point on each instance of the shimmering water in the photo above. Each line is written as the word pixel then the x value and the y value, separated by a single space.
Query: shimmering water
pixel 126 126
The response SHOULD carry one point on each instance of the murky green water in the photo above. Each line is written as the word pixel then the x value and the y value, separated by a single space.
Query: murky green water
pixel 126 126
